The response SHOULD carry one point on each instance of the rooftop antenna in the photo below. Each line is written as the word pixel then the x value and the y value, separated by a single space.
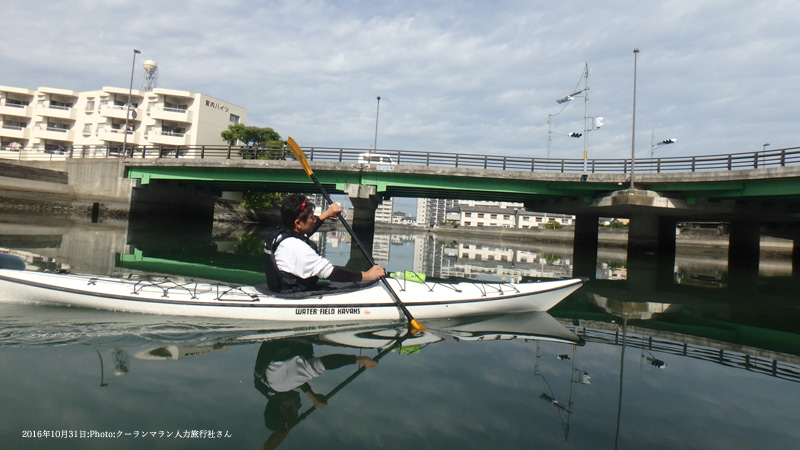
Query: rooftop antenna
pixel 150 81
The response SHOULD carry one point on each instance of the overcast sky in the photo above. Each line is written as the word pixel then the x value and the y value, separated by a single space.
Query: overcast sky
pixel 453 76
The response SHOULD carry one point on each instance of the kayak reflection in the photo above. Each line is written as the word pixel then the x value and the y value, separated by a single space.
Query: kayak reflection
pixel 284 367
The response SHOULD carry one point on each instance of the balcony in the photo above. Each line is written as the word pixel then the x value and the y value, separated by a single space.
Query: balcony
pixel 167 138
pixel 58 112
pixel 118 112
pixel 54 133
pixel 15 132
pixel 16 109
pixel 170 114
pixel 116 135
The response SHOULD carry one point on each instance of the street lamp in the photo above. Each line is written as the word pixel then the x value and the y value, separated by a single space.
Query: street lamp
pixel 633 130
pixel 377 112
pixel 764 153
pixel 128 108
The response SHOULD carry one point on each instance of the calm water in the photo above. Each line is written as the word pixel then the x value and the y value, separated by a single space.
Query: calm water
pixel 693 367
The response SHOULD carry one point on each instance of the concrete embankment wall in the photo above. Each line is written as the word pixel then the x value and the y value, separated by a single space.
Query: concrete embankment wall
pixel 611 238
pixel 73 185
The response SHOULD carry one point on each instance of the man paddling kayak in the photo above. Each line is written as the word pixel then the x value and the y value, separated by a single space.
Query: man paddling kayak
pixel 293 262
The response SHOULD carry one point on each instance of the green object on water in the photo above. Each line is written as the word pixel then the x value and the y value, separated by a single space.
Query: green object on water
pixel 409 276
pixel 409 349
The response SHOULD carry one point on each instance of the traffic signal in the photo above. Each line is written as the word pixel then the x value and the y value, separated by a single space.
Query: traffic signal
pixel 575 135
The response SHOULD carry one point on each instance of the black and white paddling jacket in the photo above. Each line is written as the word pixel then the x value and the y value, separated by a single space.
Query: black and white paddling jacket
pixel 282 281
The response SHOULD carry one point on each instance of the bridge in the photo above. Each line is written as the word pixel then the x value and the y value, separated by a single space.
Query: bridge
pixel 751 190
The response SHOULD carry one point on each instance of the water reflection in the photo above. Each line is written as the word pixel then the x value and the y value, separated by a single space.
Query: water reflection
pixel 659 368
pixel 172 247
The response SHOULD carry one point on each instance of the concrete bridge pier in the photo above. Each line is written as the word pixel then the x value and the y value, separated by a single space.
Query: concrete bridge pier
pixel 365 200
pixel 796 255
pixel 651 251
pixel 743 255
pixel 667 246
pixel 584 246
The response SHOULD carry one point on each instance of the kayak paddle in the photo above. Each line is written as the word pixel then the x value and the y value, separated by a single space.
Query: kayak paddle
pixel 298 153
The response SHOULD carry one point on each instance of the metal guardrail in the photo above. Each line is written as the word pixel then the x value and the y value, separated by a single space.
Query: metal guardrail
pixel 725 162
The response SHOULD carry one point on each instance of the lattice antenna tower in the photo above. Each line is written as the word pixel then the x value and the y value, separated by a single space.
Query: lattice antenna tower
pixel 150 80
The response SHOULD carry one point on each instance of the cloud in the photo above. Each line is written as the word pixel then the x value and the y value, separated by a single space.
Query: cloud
pixel 472 77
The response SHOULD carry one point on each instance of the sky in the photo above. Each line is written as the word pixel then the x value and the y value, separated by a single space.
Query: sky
pixel 454 76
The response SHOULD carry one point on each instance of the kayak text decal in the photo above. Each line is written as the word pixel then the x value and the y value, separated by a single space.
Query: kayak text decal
pixel 325 311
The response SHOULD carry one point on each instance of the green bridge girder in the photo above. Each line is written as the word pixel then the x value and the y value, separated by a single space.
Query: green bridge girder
pixel 388 184
pixel 436 182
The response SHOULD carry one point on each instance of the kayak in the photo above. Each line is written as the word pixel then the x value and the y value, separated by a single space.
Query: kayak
pixel 354 302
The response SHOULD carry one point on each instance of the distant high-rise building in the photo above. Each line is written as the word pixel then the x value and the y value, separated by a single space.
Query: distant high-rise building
pixel 431 211
pixel 384 212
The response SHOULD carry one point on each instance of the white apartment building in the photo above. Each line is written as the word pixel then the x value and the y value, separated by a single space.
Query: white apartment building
pixel 493 216
pixel 384 212
pixel 50 120
pixel 431 211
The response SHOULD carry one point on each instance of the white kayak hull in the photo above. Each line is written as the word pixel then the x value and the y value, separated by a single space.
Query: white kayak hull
pixel 424 301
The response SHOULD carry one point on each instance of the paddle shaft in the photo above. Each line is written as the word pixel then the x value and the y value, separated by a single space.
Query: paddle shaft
pixel 298 152
pixel 362 248
pixel 355 375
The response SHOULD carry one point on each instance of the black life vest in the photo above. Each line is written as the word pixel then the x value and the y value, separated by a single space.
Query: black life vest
pixel 278 280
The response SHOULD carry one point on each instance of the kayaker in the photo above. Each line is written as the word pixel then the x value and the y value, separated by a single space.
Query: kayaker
pixel 293 262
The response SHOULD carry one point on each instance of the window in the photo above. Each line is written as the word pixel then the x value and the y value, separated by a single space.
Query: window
pixel 57 126
pixel 55 104
pixel 87 129
pixel 234 118
pixel 16 103
pixel 175 108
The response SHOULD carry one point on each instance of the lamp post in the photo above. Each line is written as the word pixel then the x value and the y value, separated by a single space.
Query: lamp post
pixel 377 112
pixel 586 127
pixel 633 126
pixel 764 153
pixel 128 108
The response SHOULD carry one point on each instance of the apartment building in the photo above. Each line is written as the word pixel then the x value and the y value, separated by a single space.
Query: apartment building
pixel 431 211
pixel 384 212
pixel 50 120
pixel 494 216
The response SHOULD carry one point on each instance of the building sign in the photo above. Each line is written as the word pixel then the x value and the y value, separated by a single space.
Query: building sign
pixel 216 105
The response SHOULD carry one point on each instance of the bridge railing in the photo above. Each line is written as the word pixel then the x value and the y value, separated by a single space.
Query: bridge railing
pixel 724 162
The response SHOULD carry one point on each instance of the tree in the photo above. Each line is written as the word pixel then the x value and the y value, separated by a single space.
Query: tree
pixel 552 225
pixel 259 200
pixel 254 139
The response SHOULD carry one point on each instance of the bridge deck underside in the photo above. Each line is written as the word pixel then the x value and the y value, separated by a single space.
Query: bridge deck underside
pixel 775 198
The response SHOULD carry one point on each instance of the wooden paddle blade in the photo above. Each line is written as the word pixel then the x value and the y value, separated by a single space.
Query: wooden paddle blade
pixel 416 326
pixel 298 153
